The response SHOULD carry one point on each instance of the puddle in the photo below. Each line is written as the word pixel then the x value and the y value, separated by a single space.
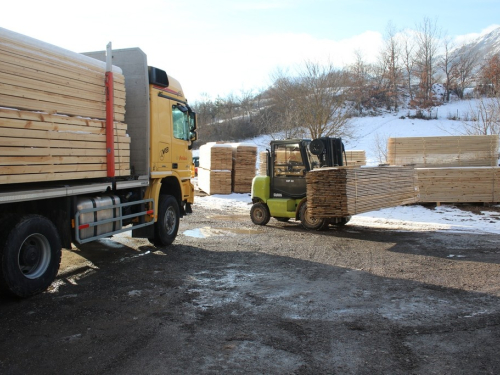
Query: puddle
pixel 230 217
pixel 206 232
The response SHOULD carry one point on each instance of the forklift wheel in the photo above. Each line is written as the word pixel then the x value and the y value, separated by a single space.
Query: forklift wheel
pixel 259 213
pixel 310 222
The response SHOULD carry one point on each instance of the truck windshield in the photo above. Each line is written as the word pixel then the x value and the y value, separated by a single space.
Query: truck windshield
pixel 180 121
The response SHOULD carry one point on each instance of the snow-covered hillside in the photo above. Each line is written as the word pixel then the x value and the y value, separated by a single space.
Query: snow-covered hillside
pixel 414 218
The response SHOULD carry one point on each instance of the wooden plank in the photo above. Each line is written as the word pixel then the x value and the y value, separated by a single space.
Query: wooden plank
pixel 452 151
pixel 31 104
pixel 56 119
pixel 7 133
pixel 57 88
pixel 59 100
pixel 46 151
pixel 8 123
pixel 24 178
pixel 340 192
pixel 53 62
pixel 55 160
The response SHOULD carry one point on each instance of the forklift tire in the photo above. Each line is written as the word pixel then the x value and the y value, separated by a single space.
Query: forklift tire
pixel 167 225
pixel 309 222
pixel 30 255
pixel 259 213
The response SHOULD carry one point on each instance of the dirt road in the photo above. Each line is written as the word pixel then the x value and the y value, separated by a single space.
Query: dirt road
pixel 231 297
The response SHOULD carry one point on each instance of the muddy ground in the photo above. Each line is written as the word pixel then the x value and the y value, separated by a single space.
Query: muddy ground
pixel 231 297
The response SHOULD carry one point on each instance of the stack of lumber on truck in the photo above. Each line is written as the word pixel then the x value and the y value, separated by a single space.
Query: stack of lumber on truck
pixel 341 192
pixel 355 158
pixel 214 171
pixel 52 120
pixel 243 170
pixel 450 151
pixel 459 185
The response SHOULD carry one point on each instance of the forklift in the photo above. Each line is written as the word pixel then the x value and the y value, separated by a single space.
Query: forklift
pixel 281 194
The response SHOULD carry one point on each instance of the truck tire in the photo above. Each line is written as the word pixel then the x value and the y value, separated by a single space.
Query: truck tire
pixel 167 225
pixel 30 255
pixel 259 213
pixel 309 222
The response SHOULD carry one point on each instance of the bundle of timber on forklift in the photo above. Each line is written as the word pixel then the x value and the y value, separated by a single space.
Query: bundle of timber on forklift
pixel 52 124
pixel 341 192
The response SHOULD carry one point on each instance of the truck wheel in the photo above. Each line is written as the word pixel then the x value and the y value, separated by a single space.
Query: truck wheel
pixel 167 224
pixel 310 222
pixel 259 213
pixel 30 256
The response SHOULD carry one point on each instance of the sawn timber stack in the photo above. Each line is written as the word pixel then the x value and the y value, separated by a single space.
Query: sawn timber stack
pixel 52 124
pixel 342 192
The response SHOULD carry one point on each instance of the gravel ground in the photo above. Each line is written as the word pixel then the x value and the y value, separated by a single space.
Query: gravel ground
pixel 232 297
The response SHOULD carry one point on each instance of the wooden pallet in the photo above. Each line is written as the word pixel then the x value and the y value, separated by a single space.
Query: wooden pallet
pixel 341 192
pixel 452 151
pixel 459 185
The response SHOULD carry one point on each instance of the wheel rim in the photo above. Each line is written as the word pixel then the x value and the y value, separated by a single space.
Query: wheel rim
pixel 34 256
pixel 259 214
pixel 169 220
pixel 309 219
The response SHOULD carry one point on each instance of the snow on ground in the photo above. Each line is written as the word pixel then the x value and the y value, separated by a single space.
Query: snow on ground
pixel 405 218
pixel 412 218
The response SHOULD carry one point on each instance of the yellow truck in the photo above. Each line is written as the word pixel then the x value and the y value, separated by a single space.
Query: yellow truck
pixel 42 213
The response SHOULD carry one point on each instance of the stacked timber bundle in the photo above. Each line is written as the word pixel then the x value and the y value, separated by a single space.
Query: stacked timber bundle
pixel 452 151
pixel 355 158
pixel 214 171
pixel 341 192
pixel 262 163
pixel 459 185
pixel 243 170
pixel 52 124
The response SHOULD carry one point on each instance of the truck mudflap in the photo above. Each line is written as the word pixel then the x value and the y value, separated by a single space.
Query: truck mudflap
pixel 93 223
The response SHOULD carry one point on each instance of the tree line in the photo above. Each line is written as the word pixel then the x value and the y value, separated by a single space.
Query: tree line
pixel 315 100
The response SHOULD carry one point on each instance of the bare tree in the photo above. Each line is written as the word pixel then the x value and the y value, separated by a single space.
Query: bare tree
pixel 427 42
pixel 466 62
pixel 484 118
pixel 359 82
pixel 408 52
pixel 490 75
pixel 390 58
pixel 322 107
pixel 448 64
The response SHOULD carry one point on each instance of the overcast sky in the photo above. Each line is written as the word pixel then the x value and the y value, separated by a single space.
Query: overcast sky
pixel 219 47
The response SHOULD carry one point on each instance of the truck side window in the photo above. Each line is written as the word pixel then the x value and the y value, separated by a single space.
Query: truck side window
pixel 180 123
